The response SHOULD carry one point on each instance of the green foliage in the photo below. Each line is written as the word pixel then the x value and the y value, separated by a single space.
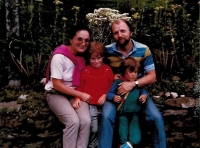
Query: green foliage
pixel 197 92
pixel 33 101
pixel 197 82
pixel 167 27
pixel 7 111
pixel 41 31
pixel 168 86
pixel 170 32
pixel 125 5
pixel 1 3
pixel 8 94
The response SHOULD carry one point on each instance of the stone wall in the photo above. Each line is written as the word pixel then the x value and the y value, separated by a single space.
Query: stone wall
pixel 27 122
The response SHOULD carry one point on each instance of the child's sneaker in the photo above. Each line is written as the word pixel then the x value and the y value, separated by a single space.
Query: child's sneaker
pixel 126 145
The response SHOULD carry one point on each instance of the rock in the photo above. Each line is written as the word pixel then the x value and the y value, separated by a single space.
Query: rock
pixel 10 137
pixel 30 113
pixel 34 145
pixel 14 83
pixel 48 134
pixel 23 97
pixel 11 122
pixel 40 124
pixel 167 94
pixel 10 105
pixel 176 78
pixel 161 93
pixel 177 136
pixel 191 135
pixel 182 102
pixel 181 124
pixel 170 139
pixel 171 112
pixel 174 94
pixel 190 85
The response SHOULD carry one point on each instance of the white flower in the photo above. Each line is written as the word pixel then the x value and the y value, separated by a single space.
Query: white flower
pixel 172 40
pixel 64 19
pixel 100 21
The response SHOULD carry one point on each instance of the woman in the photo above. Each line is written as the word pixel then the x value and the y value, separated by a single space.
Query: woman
pixel 63 76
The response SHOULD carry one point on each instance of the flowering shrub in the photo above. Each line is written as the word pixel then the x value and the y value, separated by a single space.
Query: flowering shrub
pixel 100 21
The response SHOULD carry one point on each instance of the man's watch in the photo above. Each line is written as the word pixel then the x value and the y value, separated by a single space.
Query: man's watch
pixel 136 83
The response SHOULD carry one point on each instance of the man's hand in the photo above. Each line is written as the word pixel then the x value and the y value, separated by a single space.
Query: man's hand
pixel 143 98
pixel 125 87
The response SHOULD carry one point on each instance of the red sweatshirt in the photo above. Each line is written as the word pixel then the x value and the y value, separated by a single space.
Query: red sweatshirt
pixel 96 81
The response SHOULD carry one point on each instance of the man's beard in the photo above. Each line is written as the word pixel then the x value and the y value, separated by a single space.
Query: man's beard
pixel 123 44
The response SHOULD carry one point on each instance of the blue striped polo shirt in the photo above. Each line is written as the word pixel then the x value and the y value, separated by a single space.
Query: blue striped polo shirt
pixel 140 52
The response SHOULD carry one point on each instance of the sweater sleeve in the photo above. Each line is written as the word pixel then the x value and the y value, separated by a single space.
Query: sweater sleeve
pixel 143 92
pixel 112 91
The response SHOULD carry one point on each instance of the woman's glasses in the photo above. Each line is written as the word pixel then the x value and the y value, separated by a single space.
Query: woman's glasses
pixel 81 40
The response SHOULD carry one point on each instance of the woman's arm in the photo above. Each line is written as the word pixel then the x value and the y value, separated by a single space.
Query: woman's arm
pixel 59 86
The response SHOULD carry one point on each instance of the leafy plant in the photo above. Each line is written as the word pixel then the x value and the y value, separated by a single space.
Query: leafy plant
pixel 164 86
pixel 31 51
pixel 167 27
pixel 170 32
pixel 197 92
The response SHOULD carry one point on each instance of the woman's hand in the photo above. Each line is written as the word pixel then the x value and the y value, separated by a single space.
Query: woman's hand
pixel 84 97
pixel 77 103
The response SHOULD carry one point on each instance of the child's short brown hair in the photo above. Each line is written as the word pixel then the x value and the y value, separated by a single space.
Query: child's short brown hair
pixel 129 63
pixel 97 48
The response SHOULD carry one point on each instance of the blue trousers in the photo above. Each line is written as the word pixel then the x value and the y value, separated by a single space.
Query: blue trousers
pixel 152 115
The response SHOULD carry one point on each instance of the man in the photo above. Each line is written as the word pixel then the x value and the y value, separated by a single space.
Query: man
pixel 124 47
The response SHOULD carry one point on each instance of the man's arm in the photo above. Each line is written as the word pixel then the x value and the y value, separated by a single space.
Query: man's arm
pixel 149 78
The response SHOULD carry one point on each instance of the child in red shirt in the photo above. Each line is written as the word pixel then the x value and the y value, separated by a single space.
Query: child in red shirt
pixel 96 80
